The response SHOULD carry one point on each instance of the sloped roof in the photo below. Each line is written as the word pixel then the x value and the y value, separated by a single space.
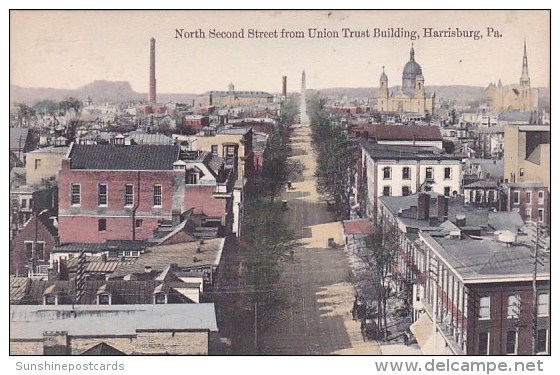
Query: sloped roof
pixel 18 138
pixel 402 132
pixel 182 254
pixel 115 157
pixel 358 226
pixel 102 349
pixel 479 259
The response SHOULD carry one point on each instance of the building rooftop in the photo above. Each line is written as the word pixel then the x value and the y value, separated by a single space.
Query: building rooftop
pixel 18 138
pixel 51 150
pixel 141 138
pixel 239 94
pixel 109 245
pixel 120 157
pixel 481 260
pixel 29 322
pixel 402 132
pixel 381 151
pixel 182 254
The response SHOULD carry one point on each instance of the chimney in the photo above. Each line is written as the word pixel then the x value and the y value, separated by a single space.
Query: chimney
pixel 104 258
pixel 147 269
pixel 423 206
pixel 442 207
pixel 460 220
pixel 152 94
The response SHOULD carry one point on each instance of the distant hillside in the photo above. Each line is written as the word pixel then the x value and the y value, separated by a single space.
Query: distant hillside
pixel 98 91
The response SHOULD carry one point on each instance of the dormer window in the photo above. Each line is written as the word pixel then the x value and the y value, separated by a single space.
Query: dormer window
pixel 160 298
pixel 104 299
pixel 50 299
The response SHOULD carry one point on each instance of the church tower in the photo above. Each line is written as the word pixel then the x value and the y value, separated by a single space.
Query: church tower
pixel 525 97
pixel 383 93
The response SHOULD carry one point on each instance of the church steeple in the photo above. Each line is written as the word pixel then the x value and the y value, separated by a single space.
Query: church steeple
pixel 525 80
pixel 412 52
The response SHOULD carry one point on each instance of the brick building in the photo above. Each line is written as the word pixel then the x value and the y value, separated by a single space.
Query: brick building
pixel 188 329
pixel 110 192
pixel 32 246
pixel 530 199
pixel 195 123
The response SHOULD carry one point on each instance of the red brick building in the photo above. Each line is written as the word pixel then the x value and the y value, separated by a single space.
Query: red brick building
pixel 195 123
pixel 110 192
pixel 31 248
pixel 530 199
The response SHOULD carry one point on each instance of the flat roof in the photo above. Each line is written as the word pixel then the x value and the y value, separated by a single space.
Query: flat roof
pixel 30 321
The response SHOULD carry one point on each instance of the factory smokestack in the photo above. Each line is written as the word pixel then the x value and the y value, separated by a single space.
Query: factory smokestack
pixel 284 87
pixel 152 94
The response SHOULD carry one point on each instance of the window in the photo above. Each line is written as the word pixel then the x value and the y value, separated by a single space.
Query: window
pixel 515 197
pixel 28 250
pixel 24 203
pixel 75 196
pixel 406 173
pixel 387 173
pixel 102 194
pixel 447 191
pixel 214 149
pixel 528 214
pixel 405 191
pixel 542 304
pixel 541 215
pixel 528 197
pixel 541 197
pixel 511 342
pixel 513 306
pixel 484 310
pixel 192 178
pixel 542 341
pixel 138 223
pixel 229 151
pixel 128 195
pixel 429 173
pixel 104 299
pixel 387 191
pixel 521 172
pixel 483 341
pixel 50 299
pixel 490 196
pixel 31 203
pixel 101 225
pixel 157 195
pixel 40 251
pixel 37 163
pixel 160 298
pixel 447 173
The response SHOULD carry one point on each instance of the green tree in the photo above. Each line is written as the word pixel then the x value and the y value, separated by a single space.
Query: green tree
pixel 336 159
pixel 378 257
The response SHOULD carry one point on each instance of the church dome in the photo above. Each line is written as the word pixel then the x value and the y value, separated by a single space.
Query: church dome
pixel 412 69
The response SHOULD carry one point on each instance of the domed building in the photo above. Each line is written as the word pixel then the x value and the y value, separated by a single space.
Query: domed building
pixel 411 97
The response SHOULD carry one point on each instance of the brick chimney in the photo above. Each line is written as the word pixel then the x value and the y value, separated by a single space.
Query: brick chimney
pixel 423 207
pixel 442 207
pixel 152 94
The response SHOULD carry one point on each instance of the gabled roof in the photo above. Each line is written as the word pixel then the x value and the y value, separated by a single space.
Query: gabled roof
pixel 18 138
pixel 102 349
pixel 120 157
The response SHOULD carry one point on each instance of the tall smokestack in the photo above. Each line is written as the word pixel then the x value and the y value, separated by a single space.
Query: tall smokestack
pixel 152 94
pixel 284 87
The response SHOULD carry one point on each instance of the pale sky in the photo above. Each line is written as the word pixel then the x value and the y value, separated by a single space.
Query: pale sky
pixel 69 49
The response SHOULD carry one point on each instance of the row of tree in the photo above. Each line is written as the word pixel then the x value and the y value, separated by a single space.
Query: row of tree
pixel 336 158
pixel 336 168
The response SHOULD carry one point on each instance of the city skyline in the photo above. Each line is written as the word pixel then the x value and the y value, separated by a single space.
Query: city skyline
pixel 69 49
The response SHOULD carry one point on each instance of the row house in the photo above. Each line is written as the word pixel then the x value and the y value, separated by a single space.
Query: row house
pixel 530 199
pixel 475 280
pixel 479 293
pixel 395 170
